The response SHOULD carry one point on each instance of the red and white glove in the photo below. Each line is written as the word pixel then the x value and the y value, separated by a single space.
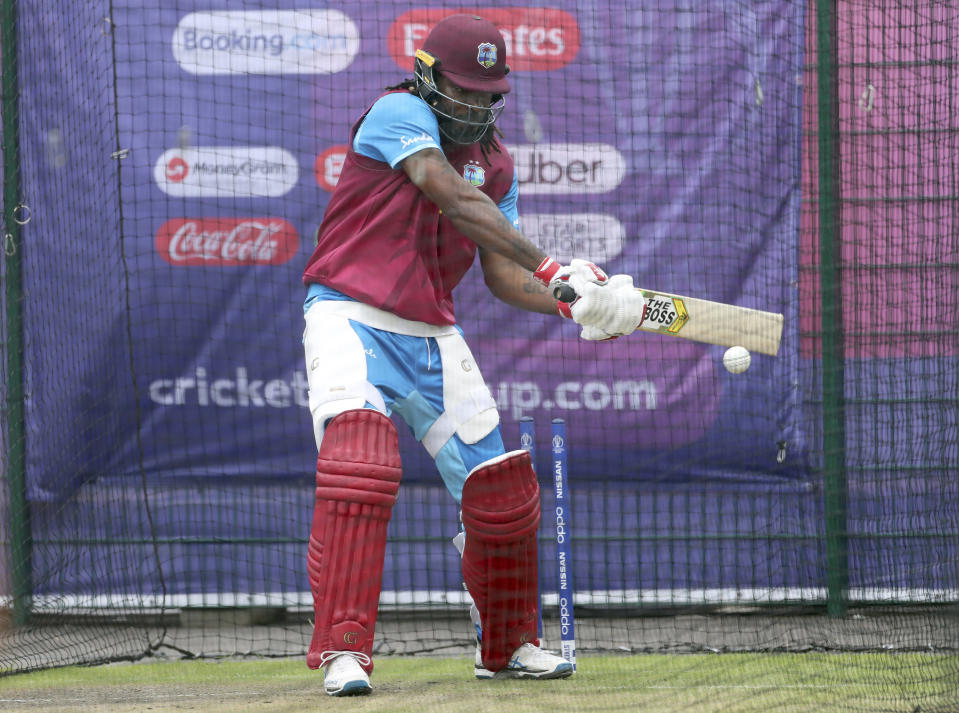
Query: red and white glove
pixel 553 275
pixel 607 311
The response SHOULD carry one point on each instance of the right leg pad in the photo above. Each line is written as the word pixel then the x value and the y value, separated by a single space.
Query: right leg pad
pixel 357 478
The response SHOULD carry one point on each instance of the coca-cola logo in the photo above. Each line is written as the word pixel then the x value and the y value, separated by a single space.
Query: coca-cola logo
pixel 537 38
pixel 227 241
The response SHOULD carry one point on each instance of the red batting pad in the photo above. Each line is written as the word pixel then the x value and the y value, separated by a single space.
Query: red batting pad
pixel 501 514
pixel 357 478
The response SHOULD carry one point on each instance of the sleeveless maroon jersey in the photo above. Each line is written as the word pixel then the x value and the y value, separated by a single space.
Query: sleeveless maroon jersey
pixel 384 243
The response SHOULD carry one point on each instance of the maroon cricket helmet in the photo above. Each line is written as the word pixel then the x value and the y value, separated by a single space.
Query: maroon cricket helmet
pixel 471 52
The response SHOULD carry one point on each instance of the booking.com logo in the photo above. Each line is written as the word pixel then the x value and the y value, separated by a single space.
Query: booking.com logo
pixel 250 42
pixel 266 42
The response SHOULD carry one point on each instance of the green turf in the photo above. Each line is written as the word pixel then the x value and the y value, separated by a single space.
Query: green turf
pixel 727 683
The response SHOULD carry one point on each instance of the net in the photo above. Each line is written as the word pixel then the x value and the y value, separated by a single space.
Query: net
pixel 166 167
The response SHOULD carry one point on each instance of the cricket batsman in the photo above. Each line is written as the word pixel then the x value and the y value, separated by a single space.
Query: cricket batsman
pixel 425 185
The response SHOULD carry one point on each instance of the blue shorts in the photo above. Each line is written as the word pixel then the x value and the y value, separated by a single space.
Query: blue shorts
pixel 402 374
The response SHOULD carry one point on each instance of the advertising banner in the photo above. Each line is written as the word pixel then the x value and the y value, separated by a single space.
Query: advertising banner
pixel 670 156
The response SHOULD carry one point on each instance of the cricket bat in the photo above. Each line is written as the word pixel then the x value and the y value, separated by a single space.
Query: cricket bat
pixel 705 321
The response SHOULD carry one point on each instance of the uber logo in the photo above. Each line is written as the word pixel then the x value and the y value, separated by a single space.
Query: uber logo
pixel 568 168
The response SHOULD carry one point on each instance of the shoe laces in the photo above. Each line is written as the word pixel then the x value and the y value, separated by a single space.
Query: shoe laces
pixel 328 656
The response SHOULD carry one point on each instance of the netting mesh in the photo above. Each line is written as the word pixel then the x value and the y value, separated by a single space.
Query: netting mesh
pixel 165 170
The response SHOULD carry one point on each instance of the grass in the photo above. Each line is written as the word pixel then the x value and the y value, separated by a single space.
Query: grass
pixel 658 683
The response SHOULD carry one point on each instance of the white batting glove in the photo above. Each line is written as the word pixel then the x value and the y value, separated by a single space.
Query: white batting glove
pixel 607 311
pixel 583 271
pixel 595 334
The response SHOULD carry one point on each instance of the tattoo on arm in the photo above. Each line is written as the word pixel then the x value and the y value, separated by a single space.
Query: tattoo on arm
pixel 512 244
pixel 533 286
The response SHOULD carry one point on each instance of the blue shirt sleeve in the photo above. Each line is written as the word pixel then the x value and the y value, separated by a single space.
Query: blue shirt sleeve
pixel 397 125
pixel 508 203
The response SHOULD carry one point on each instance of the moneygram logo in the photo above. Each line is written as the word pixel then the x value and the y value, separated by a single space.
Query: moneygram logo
pixel 565 236
pixel 568 168
pixel 177 170
pixel 266 42
pixel 327 167
pixel 229 171
pixel 537 38
pixel 227 241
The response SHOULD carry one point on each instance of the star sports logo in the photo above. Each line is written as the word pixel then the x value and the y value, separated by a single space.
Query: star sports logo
pixel 594 236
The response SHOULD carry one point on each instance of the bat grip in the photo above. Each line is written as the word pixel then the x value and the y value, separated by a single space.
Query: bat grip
pixel 564 293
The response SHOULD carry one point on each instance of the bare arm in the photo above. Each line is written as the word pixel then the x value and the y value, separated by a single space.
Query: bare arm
pixel 515 285
pixel 470 210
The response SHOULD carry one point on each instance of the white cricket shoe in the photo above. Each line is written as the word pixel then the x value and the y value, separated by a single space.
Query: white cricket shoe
pixel 344 675
pixel 528 661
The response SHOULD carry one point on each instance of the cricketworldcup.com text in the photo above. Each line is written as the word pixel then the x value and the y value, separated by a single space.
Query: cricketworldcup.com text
pixel 240 389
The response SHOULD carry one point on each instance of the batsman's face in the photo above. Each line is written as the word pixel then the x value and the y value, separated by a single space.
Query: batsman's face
pixel 461 100
pixel 467 112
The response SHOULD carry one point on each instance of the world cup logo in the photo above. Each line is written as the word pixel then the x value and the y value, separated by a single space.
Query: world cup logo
pixel 486 54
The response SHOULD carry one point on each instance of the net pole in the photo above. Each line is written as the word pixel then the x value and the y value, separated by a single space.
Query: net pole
pixel 833 409
pixel 13 217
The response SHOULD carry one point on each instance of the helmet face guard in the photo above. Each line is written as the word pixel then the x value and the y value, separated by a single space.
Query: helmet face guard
pixel 459 122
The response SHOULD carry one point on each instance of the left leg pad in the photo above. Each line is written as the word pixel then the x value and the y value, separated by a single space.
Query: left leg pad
pixel 501 515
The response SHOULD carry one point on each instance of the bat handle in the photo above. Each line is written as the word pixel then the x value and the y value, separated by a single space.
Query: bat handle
pixel 564 293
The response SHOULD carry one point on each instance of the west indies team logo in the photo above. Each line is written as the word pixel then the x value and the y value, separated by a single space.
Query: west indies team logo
pixel 474 174
pixel 486 54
